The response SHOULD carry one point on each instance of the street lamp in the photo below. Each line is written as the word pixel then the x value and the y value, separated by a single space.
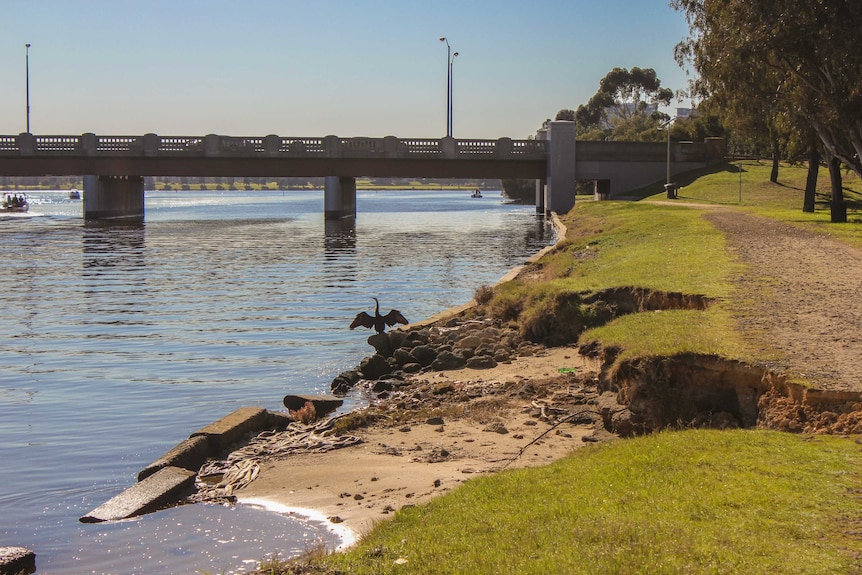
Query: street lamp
pixel 27 82
pixel 668 187
pixel 451 94
pixel 448 82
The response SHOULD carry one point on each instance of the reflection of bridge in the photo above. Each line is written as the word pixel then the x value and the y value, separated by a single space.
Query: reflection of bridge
pixel 113 166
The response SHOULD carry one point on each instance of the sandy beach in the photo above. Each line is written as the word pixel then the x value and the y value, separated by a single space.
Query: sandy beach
pixel 402 463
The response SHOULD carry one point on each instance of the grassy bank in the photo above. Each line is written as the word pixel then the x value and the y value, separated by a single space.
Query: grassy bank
pixel 688 501
pixel 682 502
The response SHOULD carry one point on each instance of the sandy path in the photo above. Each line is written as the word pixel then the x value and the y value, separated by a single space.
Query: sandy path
pixel 801 292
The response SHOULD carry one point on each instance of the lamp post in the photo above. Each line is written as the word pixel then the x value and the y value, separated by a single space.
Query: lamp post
pixel 27 81
pixel 448 82
pixel 668 187
pixel 451 94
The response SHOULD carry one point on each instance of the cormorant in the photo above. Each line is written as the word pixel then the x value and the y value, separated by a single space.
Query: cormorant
pixel 378 322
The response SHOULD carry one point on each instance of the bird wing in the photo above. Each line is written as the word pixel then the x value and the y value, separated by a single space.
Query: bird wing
pixel 393 317
pixel 362 319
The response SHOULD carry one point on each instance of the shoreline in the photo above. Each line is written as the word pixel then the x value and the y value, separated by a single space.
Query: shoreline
pixel 397 464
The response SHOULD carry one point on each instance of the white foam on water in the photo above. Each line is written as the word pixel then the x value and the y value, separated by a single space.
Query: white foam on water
pixel 347 536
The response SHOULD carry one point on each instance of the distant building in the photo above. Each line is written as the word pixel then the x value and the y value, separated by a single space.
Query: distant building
pixel 684 113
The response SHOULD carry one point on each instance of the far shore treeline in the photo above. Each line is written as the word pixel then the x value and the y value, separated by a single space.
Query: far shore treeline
pixel 244 184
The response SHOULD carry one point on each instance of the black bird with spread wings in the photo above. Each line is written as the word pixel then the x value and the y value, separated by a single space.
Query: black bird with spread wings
pixel 377 321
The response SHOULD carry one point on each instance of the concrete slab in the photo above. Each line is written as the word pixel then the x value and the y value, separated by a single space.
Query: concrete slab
pixel 189 454
pixel 156 491
pixel 17 560
pixel 233 427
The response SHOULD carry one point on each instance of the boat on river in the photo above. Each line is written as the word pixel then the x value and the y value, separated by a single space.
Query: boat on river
pixel 74 194
pixel 15 203
pixel 476 193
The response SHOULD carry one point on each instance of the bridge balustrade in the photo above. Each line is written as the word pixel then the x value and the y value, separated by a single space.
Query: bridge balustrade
pixel 214 145
pixel 56 143
pixel 529 147
pixel 301 146
pixel 419 147
pixel 119 144
pixel 477 147
pixel 180 144
pixel 8 144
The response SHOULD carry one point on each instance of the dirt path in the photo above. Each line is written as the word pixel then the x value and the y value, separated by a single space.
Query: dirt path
pixel 802 294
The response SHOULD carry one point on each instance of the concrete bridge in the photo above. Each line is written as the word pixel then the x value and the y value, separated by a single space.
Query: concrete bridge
pixel 114 166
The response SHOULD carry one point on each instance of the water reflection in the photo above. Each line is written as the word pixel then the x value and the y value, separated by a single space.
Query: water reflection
pixel 339 237
pixel 113 245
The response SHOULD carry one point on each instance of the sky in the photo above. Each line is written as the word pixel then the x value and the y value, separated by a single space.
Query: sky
pixel 318 67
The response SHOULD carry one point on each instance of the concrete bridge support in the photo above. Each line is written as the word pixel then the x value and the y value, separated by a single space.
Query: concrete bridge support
pixel 339 197
pixel 560 194
pixel 113 197
pixel 541 187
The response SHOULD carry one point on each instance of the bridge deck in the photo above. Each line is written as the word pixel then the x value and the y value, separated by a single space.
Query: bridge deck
pixel 212 155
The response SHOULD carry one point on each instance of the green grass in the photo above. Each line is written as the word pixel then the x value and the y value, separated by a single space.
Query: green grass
pixel 676 502
pixel 628 244
pixel 781 201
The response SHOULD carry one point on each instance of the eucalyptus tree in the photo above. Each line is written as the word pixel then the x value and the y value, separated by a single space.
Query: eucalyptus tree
pixel 625 98
pixel 800 58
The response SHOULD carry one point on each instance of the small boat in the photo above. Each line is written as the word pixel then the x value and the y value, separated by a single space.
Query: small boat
pixel 15 203
pixel 476 193
pixel 74 194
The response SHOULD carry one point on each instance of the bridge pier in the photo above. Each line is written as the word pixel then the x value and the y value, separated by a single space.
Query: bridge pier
pixel 560 194
pixel 540 197
pixel 113 197
pixel 339 197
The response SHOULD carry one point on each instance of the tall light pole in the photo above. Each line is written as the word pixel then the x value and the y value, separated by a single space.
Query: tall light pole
pixel 451 94
pixel 27 81
pixel 448 84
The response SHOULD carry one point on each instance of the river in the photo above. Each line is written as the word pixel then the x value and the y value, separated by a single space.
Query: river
pixel 119 341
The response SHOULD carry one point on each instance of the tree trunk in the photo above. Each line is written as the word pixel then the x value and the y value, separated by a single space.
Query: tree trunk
pixel 837 206
pixel 811 181
pixel 773 177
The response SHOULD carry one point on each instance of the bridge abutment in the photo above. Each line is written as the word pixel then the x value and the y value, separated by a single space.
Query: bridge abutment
pixel 339 197
pixel 113 197
pixel 560 191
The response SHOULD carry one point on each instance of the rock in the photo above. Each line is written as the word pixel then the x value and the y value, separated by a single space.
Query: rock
pixel 411 368
pixel 469 342
pixel 481 362
pixel 434 421
pixel 345 381
pixel 497 427
pixel 382 385
pixel 443 389
pixel 403 356
pixel 396 338
pixel 17 560
pixel 375 367
pixel 323 404
pixel 448 360
pixel 424 355
pixel 381 343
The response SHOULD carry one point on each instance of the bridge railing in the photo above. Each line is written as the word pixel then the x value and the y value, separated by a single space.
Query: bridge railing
pixel 231 146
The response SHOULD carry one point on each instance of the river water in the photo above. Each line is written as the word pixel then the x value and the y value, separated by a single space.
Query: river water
pixel 117 342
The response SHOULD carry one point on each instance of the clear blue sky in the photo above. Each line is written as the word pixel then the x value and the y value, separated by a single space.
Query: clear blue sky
pixel 318 67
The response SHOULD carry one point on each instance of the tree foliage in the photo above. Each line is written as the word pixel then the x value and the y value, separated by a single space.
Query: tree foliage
pixel 624 107
pixel 782 61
